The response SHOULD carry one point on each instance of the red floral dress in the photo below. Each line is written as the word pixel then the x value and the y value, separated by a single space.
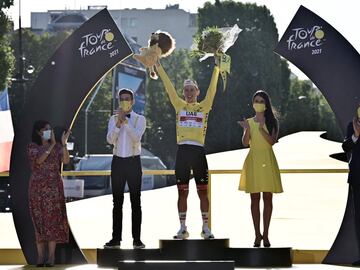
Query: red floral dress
pixel 46 195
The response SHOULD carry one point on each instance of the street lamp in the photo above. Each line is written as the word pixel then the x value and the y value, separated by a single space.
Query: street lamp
pixel 19 76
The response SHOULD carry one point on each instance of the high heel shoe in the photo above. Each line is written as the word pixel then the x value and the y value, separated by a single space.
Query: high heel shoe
pixel 266 243
pixel 49 264
pixel 41 264
pixel 257 241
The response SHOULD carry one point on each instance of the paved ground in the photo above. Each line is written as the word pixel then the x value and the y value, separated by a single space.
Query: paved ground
pixel 309 202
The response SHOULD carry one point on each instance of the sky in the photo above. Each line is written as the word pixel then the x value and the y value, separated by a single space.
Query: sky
pixel 343 15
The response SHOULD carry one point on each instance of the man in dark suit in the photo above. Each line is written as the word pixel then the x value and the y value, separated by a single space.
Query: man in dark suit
pixel 351 146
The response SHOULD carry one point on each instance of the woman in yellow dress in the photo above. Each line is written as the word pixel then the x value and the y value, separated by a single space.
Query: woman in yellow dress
pixel 260 172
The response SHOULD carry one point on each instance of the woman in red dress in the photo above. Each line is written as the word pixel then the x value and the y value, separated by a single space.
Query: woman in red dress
pixel 46 191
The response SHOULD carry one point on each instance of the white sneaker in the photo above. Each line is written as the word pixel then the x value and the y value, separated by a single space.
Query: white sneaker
pixel 182 234
pixel 206 234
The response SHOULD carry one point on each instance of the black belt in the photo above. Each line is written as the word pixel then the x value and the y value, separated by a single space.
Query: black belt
pixel 126 158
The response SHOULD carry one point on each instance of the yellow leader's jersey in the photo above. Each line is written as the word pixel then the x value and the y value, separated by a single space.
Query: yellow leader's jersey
pixel 191 118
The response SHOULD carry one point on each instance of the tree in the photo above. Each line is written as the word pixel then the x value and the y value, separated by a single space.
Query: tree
pixel 254 67
pixel 32 42
pixel 6 3
pixel 6 56
pixel 307 109
pixel 98 117
pixel 302 108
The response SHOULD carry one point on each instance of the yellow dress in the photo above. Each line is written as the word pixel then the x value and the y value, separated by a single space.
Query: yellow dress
pixel 260 172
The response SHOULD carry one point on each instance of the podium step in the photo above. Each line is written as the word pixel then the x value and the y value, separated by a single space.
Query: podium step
pixel 211 251
pixel 260 257
pixel 176 265
pixel 214 249
pixel 110 257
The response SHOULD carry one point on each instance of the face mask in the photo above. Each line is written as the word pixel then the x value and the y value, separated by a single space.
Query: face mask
pixel 358 112
pixel 259 107
pixel 126 105
pixel 46 135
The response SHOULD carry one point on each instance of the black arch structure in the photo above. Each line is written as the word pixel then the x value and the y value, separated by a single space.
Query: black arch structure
pixel 58 93
pixel 331 62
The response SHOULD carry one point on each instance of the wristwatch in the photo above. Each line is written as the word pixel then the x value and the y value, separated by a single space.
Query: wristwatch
pixel 47 151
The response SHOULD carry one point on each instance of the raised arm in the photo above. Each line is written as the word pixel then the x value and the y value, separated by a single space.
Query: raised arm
pixel 65 153
pixel 175 100
pixel 246 133
pixel 113 131
pixel 350 139
pixel 210 94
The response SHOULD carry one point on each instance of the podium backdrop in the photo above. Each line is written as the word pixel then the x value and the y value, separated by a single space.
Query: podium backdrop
pixel 57 95
pixel 329 60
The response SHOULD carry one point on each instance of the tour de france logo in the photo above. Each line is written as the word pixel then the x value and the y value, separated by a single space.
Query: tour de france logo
pixel 94 43
pixel 302 38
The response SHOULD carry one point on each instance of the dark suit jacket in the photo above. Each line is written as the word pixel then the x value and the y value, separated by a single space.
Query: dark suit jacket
pixel 353 152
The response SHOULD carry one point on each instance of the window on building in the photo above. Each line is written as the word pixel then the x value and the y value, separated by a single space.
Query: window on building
pixel 124 22
pixel 133 22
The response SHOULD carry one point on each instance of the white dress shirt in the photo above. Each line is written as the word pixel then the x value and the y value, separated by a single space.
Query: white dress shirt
pixel 126 139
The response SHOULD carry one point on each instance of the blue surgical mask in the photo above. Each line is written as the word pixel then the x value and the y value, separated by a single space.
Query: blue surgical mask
pixel 46 135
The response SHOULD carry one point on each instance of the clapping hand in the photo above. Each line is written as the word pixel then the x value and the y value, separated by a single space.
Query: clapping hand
pixel 121 118
pixel 356 126
pixel 65 136
pixel 244 123
pixel 53 141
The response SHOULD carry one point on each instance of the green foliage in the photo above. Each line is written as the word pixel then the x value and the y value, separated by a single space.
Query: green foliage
pixel 6 62
pixel 254 66
pixel 6 55
pixel 37 49
pixel 209 41
pixel 6 3
pixel 98 117
pixel 99 112
pixel 307 110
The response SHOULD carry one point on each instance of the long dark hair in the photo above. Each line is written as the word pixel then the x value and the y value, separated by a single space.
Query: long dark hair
pixel 35 137
pixel 270 119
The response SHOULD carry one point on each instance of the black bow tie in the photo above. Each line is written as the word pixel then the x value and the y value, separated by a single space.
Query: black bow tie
pixel 128 115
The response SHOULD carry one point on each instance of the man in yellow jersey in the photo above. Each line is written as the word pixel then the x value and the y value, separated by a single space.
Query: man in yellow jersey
pixel 191 125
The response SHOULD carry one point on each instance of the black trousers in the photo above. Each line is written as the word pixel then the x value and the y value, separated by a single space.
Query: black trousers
pixel 126 170
pixel 356 199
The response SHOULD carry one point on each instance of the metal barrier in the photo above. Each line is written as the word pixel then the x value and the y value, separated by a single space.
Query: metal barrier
pixel 172 172
pixel 211 172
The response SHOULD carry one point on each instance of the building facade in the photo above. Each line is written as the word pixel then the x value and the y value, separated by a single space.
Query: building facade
pixel 135 23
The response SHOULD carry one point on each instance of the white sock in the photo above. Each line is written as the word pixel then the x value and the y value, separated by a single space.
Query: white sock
pixel 182 218
pixel 205 218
